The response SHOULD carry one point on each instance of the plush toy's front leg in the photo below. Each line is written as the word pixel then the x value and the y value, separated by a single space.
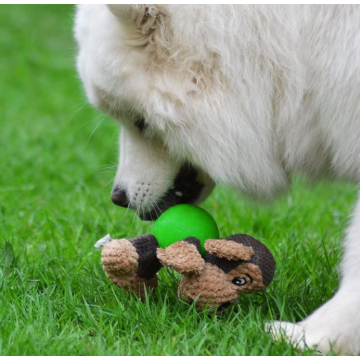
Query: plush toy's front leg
pixel 132 264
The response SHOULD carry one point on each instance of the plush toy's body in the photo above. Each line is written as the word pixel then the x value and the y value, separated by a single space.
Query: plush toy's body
pixel 235 265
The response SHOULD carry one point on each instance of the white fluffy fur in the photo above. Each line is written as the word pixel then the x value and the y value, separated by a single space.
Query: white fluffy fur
pixel 247 94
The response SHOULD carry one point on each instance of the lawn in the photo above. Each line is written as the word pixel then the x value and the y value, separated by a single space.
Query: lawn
pixel 58 158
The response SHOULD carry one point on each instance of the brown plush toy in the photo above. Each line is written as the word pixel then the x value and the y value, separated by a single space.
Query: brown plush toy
pixel 238 264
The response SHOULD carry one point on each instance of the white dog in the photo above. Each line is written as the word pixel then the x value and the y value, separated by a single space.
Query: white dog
pixel 235 95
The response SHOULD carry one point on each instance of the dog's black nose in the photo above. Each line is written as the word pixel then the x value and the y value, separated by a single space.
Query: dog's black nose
pixel 119 197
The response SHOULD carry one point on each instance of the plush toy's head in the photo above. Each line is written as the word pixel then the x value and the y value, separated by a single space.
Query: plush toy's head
pixel 235 265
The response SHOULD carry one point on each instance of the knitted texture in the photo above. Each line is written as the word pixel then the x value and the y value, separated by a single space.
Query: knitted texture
pixel 148 264
pixel 121 260
pixel 182 256
pixel 230 250
pixel 263 258
pixel 142 286
pixel 253 276
pixel 209 288
pixel 238 264
pixel 119 257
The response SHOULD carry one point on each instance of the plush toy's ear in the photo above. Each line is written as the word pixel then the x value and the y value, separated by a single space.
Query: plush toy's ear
pixel 140 17
pixel 229 250
pixel 183 256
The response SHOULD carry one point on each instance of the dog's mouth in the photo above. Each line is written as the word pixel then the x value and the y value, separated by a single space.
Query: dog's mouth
pixel 186 190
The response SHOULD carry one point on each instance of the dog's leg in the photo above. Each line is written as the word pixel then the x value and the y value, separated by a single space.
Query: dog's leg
pixel 336 324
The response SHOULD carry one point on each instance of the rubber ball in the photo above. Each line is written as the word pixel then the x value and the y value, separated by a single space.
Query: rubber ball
pixel 183 221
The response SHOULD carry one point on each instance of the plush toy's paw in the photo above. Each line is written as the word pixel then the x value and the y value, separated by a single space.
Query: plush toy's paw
pixel 120 261
pixel 183 257
pixel 119 257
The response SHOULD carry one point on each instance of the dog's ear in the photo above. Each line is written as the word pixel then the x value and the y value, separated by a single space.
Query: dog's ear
pixel 140 17
pixel 229 250
pixel 183 256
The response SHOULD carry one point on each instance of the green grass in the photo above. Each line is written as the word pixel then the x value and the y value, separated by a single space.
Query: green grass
pixel 57 163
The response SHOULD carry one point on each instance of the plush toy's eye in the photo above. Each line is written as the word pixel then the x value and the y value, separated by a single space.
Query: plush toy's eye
pixel 239 281
pixel 141 124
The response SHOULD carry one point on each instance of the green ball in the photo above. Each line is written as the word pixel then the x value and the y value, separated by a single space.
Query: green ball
pixel 182 221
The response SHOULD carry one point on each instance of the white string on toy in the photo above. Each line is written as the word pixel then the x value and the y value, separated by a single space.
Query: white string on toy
pixel 103 241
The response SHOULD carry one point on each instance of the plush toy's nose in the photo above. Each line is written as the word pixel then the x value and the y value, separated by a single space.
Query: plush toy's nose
pixel 223 306
pixel 119 197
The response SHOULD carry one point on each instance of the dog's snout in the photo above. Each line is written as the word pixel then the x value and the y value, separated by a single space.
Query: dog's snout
pixel 150 198
pixel 119 197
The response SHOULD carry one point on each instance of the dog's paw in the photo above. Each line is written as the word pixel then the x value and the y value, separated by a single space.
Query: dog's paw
pixel 302 336
pixel 333 327
pixel 294 334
